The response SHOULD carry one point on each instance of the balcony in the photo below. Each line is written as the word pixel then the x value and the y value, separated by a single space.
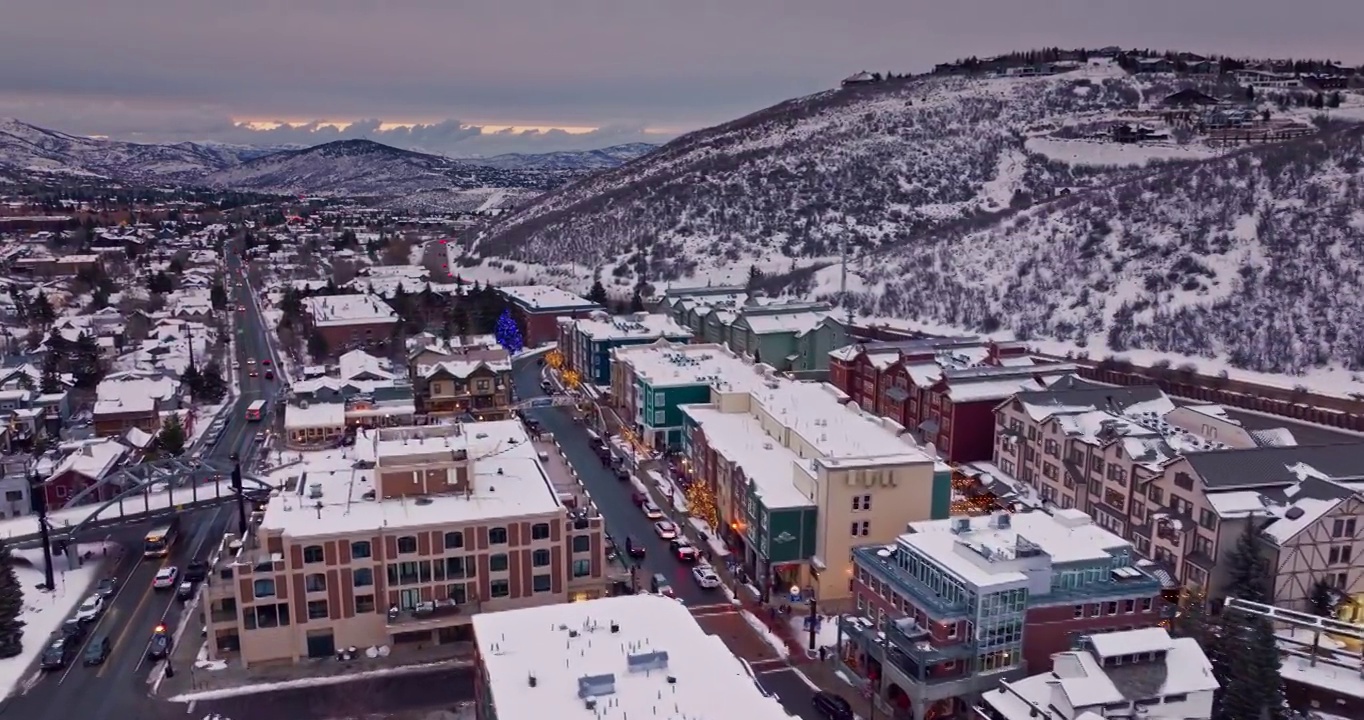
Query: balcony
pixel 220 615
pixel 907 660
pixel 432 614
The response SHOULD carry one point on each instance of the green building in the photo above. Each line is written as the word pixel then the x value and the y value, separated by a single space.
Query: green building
pixel 588 342
pixel 789 336
pixel 665 376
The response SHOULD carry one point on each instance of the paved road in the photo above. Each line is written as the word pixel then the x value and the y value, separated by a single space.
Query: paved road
pixel 794 693
pixel 371 698
pixel 612 496
pixel 119 688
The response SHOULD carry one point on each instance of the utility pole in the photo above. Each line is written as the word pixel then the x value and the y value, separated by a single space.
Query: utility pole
pixel 241 499
pixel 38 496
pixel 813 620
pixel 843 280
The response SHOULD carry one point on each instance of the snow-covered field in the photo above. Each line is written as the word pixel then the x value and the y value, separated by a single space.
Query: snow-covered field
pixel 44 612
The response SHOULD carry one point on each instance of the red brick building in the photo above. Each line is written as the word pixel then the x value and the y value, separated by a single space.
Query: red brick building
pixel 348 322
pixel 537 308
pixel 944 390
pixel 966 602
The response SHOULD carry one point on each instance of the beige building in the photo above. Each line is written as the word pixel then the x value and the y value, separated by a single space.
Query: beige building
pixel 801 477
pixel 1179 482
pixel 403 542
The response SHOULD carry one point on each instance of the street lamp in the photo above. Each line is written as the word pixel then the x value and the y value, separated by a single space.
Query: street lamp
pixel 241 498
pixel 37 495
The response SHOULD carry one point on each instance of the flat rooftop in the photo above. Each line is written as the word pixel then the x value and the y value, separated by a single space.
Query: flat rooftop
pixel 544 297
pixel 634 326
pixel 635 656
pixel 332 310
pixel 983 554
pixel 770 465
pixel 817 412
pixel 507 481
pixel 675 364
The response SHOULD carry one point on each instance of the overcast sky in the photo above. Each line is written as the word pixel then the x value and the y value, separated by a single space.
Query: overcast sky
pixel 158 70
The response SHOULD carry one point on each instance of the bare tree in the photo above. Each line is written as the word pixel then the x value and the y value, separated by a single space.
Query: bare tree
pixel 398 252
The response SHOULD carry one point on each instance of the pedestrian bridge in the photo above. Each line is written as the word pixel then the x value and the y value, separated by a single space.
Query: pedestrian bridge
pixel 158 495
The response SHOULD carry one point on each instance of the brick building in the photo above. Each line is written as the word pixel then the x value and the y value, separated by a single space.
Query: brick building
pixel 537 308
pixel 439 523
pixel 967 602
pixel 347 322
pixel 943 390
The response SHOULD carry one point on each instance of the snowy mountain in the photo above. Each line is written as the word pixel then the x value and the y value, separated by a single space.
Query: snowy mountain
pixel 1005 203
pixel 572 161
pixel 29 150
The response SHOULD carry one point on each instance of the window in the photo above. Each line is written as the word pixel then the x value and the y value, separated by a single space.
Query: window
pixel 539 558
pixel 263 588
pixel 497 536
pixel 315 582
pixel 1202 545
pixel 313 554
pixel 1048 471
pixel 1079 611
pixel 582 543
pixel 539 531
pixel 361 549
pixel 407 544
pixel 499 588
pixel 1343 528
pixel 659 418
pixel 364 604
pixel 582 568
pixel 364 577
pixel 454 540
pixel 1339 554
pixel 1183 481
pixel 658 398
pixel 1129 606
pixel 457 568
pixel 540 583
pixel 1207 519
pixel 497 563
pixel 1156 494
pixel 1147 604
pixel 861 529
pixel 458 594
pixel 317 609
pixel 861 502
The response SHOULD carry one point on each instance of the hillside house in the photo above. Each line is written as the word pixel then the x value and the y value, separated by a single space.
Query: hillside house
pixel 1189 97
pixel 861 78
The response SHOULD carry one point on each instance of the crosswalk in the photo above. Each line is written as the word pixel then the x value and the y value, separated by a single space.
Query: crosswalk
pixel 715 609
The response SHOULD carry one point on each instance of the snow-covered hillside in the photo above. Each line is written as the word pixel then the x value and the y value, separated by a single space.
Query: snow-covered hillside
pixel 27 149
pixel 569 160
pixel 1004 204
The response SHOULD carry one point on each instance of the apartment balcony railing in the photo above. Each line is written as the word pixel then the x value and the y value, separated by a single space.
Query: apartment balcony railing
pixel 906 584
pixel 432 612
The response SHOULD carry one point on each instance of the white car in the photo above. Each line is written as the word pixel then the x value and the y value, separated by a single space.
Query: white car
pixel 90 609
pixel 705 577
pixel 665 529
pixel 651 511
pixel 165 578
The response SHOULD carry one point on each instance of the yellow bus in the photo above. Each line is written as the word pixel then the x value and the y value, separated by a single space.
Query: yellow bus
pixel 158 542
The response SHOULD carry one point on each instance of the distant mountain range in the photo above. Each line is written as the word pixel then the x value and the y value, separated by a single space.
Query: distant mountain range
pixel 343 167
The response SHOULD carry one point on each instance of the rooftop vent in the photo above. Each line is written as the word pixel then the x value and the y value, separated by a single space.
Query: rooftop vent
pixel 615 626
pixel 961 525
pixel 647 661
pixel 591 687
pixel 315 491
pixel 1293 513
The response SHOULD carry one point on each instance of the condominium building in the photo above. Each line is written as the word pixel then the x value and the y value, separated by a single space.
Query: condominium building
pixel 789 336
pixel 954 606
pixel 476 382
pixel 1182 482
pixel 403 541
pixel 586 343
pixel 800 477
pixel 651 383
pixel 944 390
pixel 350 321
pixel 639 656
pixel 1133 673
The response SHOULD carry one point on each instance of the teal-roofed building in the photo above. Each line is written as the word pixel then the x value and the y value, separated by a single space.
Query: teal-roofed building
pixel 654 381
pixel 788 335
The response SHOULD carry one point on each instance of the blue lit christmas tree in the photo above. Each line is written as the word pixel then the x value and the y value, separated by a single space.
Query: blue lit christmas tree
pixel 508 334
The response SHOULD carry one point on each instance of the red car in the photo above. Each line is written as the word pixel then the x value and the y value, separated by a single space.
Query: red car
pixel 269 374
pixel 266 361
pixel 639 498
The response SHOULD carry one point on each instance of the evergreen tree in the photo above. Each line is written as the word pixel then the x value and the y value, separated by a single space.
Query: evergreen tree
pixel 211 378
pixel 11 606
pixel 508 334
pixel 598 293
pixel 217 295
pixel 1323 598
pixel 755 276
pixel 317 345
pixel 636 302
pixel 51 381
pixel 86 364
pixel 172 437
pixel 1248 654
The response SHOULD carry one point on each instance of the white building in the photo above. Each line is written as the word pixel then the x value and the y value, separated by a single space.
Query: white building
pixel 1137 673
pixel 639 656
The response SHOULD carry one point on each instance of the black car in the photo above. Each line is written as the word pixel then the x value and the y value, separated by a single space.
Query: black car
pixel 58 653
pixel 832 706
pixel 196 572
pixel 106 587
pixel 74 630
pixel 633 549
pixel 98 651
pixel 160 646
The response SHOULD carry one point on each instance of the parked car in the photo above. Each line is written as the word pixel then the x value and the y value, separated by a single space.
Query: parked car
pixel 633 549
pixel 185 591
pixel 665 530
pixel 165 578
pixel 652 511
pixel 659 584
pixel 705 577
pixel 684 551
pixel 196 572
pixel 638 497
pixel 74 630
pixel 98 650
pixel 58 653
pixel 107 586
pixel 90 609
pixel 832 706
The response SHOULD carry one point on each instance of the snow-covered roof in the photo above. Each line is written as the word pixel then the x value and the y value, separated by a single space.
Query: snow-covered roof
pixel 506 478
pixel 358 362
pixel 93 460
pixel 314 416
pixel 635 326
pixel 639 656
pixel 545 297
pixel 337 310
pixel 665 364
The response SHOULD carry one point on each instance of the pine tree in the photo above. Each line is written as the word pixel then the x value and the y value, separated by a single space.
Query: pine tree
pixel 636 302
pixel 508 334
pixel 1252 688
pixel 11 606
pixel 172 438
pixel 598 293
pixel 317 345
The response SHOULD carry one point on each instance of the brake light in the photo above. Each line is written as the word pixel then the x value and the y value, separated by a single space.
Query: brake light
pixel 160 628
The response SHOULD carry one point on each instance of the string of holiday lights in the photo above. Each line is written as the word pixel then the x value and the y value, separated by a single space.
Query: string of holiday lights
pixel 701 502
